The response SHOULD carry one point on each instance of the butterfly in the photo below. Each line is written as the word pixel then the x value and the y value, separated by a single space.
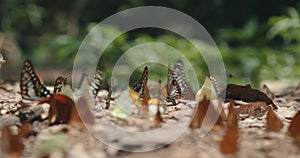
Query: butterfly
pixel 30 85
pixel 141 85
pixel 94 83
pixel 186 89
pixel 173 88
pixel 60 82
pixel 179 71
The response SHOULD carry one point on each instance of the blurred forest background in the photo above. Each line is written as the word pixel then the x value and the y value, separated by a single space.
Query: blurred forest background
pixel 259 40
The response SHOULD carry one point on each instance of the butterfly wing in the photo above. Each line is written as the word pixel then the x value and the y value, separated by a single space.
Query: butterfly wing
pixel 171 75
pixel 30 85
pixel 96 83
pixel 179 71
pixel 141 85
pixel 174 92
pixel 143 80
pixel 60 82
pixel 173 88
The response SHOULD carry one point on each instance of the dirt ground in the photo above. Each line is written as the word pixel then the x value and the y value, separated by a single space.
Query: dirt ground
pixel 66 141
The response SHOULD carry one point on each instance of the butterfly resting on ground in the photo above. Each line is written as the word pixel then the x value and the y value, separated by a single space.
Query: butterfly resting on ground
pixel 173 88
pixel 141 85
pixel 30 85
pixel 60 82
pixel 94 82
pixel 186 89
pixel 32 88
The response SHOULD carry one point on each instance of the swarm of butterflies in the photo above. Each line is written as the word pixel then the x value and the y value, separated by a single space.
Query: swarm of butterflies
pixel 175 89
pixel 62 105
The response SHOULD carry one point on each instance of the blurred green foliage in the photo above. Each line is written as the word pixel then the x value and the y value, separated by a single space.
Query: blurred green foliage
pixel 256 43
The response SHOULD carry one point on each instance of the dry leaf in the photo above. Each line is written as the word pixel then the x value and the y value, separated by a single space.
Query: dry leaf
pixel 158 118
pixel 246 93
pixel 220 108
pixel 229 144
pixel 146 96
pixel 60 108
pixel 294 128
pixel 232 118
pixel 268 92
pixel 255 109
pixel 165 91
pixel 273 122
pixel 11 144
pixel 207 90
pixel 204 112
pixel 190 94
pixel 141 104
pixel 81 114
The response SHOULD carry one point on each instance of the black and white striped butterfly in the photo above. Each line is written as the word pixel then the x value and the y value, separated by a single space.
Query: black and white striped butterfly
pixel 186 89
pixel 179 71
pixel 30 85
pixel 173 88
pixel 94 82
pixel 142 83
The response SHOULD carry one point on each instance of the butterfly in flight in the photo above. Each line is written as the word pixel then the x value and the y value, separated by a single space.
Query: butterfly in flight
pixel 60 82
pixel 30 85
pixel 173 88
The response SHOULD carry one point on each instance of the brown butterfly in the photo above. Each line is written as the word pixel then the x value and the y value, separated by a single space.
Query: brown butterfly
pixel 30 85
pixel 60 82
pixel 142 83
